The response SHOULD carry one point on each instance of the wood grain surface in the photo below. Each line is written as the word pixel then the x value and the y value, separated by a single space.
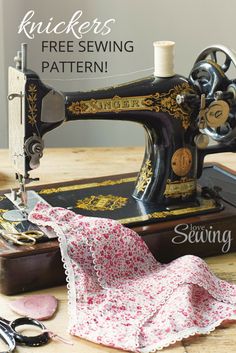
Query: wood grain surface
pixel 77 163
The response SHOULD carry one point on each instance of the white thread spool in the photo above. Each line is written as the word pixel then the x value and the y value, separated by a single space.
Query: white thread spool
pixel 164 58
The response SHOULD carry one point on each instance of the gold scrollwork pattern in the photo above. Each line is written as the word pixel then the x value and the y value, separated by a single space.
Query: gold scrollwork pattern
pixel 145 176
pixel 86 186
pixel 158 102
pixel 102 203
pixel 205 205
pixel 32 99
pixel 180 188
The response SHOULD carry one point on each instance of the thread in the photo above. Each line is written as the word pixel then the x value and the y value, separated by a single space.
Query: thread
pixel 164 58
pixel 97 77
pixel 56 337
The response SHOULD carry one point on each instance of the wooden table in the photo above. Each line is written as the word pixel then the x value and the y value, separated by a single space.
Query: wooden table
pixel 76 163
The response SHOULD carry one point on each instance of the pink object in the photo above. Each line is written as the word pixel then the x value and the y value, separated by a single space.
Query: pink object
pixel 120 296
pixel 40 307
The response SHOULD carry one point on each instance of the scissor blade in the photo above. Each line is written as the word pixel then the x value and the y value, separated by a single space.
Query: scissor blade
pixel 7 335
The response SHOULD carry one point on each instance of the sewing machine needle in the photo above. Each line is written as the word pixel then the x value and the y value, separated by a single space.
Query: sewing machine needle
pixel 23 194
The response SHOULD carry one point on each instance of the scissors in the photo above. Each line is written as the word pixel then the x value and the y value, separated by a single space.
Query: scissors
pixel 28 237
pixel 11 337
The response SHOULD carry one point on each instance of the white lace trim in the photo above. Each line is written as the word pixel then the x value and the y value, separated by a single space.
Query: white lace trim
pixel 169 292
pixel 184 334
pixel 174 338
pixel 70 278
pixel 69 272
pixel 165 299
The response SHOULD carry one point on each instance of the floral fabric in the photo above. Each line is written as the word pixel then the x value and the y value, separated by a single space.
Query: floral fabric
pixel 120 296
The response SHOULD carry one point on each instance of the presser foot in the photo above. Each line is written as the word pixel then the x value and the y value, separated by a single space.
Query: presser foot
pixel 15 216
pixel 22 209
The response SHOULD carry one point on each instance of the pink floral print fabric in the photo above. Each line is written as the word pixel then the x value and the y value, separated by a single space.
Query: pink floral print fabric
pixel 120 296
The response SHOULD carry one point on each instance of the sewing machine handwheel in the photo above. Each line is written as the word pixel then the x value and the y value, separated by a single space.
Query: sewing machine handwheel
pixel 211 53
pixel 209 76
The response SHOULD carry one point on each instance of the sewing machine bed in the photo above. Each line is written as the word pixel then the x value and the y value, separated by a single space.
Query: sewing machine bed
pixel 205 230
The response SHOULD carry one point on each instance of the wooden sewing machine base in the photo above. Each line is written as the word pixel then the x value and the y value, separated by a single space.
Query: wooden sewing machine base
pixel 205 230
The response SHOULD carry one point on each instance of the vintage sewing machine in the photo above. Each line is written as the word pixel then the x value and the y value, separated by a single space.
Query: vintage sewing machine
pixel 179 115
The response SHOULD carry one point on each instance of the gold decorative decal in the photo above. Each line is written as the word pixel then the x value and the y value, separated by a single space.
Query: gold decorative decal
pixel 158 102
pixel 86 186
pixel 32 99
pixel 181 161
pixel 180 188
pixel 205 205
pixel 102 203
pixel 145 176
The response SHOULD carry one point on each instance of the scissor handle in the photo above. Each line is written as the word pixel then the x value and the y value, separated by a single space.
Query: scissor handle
pixel 31 341
pixel 28 237
pixel 34 233
pixel 17 238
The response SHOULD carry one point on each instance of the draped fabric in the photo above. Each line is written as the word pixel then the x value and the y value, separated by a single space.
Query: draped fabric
pixel 120 296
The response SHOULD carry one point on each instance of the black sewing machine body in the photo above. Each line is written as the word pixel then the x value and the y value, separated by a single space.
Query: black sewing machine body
pixel 179 114
pixel 150 102
pixel 168 108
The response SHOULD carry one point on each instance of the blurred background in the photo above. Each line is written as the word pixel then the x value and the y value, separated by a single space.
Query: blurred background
pixel 192 24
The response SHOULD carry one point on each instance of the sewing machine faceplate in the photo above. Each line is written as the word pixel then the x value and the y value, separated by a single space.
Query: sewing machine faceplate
pixel 17 80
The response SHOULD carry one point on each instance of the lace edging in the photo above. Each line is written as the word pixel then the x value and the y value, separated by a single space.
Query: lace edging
pixel 168 295
pixel 199 283
pixel 70 278
pixel 67 265
pixel 184 334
